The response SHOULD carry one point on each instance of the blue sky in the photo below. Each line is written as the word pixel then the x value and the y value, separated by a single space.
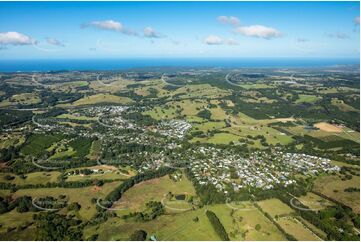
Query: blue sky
pixel 58 30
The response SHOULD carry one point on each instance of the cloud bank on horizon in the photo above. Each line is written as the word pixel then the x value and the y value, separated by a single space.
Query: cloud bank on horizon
pixel 157 29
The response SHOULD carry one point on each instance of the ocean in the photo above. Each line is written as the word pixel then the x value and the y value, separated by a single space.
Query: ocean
pixel 123 64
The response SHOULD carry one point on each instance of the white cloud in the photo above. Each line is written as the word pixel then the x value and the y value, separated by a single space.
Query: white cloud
pixel 53 41
pixel 110 25
pixel 259 31
pixel 15 38
pixel 217 40
pixel 337 35
pixel 149 32
pixel 357 20
pixel 229 20
pixel 213 40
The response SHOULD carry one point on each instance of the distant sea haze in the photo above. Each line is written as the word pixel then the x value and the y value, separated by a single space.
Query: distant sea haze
pixel 123 64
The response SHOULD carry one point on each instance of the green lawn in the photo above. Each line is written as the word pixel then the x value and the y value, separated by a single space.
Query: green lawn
pixel 154 190
pixel 294 227
pixel 177 226
pixel 240 225
pixel 307 98
pixel 275 207
pixel 33 178
pixel 81 195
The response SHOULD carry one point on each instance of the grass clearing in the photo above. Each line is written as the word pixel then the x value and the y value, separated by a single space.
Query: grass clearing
pixel 241 224
pixel 207 126
pixel 294 227
pixel 177 226
pixel 33 178
pixel 13 219
pixel 328 127
pixel 81 195
pixel 340 104
pixel 154 190
pixel 275 207
pixel 95 150
pixel 332 186
pixel 75 117
pixel 314 201
pixel 102 98
pixel 307 98
pixel 159 113
pixel 22 99
pixel 256 86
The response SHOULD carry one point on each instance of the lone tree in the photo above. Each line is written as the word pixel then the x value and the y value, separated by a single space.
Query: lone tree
pixel 138 235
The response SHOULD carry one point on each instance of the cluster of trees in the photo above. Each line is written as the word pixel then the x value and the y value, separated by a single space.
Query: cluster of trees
pixel 207 193
pixel 54 227
pixel 22 204
pixel 51 202
pixel 352 189
pixel 14 117
pixel 9 154
pixel 50 98
pixel 140 119
pixel 205 113
pixel 85 171
pixel 138 235
pixel 153 210
pixel 82 146
pixel 70 184
pixel 217 225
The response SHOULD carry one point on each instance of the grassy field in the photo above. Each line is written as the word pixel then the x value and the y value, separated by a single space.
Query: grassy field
pixel 307 98
pixel 81 195
pixel 275 207
pixel 67 153
pixel 314 201
pixel 154 190
pixel 13 219
pixel 241 224
pixel 223 138
pixel 345 133
pixel 95 150
pixel 333 187
pixel 256 86
pixel 190 106
pixel 159 113
pixel 343 106
pixel 102 98
pixel 106 175
pixel 218 138
pixel 313 228
pixel 71 116
pixel 33 178
pixel 23 99
pixel 200 91
pixel 209 126
pixel 294 227
pixel 177 226
pixel 218 113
